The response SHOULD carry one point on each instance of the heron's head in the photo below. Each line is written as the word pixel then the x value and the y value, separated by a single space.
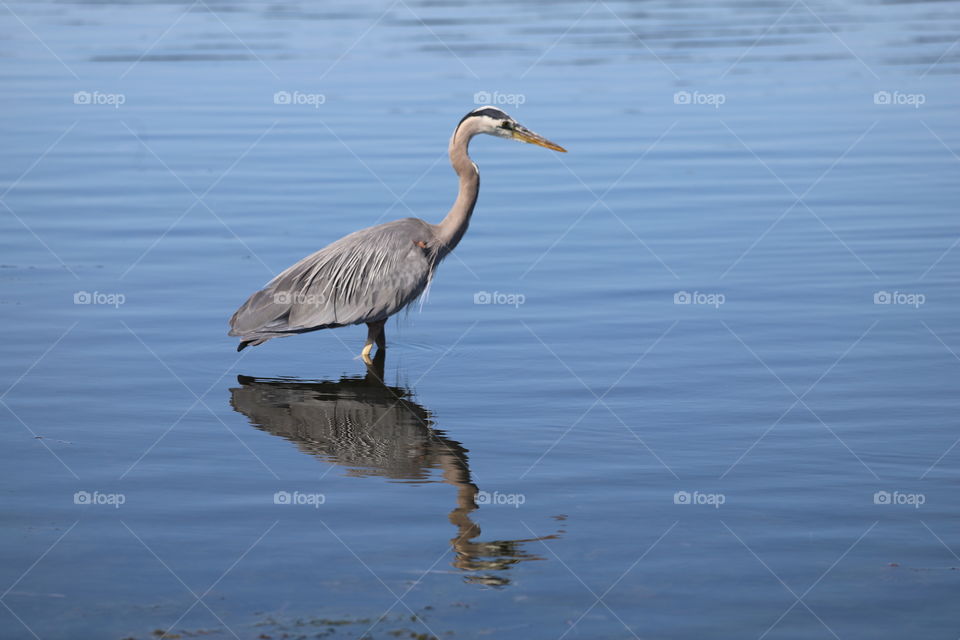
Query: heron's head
pixel 495 122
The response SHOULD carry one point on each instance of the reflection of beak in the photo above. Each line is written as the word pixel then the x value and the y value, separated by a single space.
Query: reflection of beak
pixel 525 135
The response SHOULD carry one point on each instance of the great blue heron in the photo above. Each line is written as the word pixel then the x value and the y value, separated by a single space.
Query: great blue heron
pixel 371 274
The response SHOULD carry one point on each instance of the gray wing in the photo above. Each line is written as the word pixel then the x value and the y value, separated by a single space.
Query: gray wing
pixel 366 276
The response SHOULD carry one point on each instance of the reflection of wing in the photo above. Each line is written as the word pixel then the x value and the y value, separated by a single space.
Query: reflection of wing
pixel 377 430
pixel 370 430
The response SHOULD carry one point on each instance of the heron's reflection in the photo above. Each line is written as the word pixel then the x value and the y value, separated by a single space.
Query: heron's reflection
pixel 377 430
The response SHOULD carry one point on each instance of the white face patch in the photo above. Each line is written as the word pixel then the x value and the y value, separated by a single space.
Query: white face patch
pixel 488 120
pixel 495 128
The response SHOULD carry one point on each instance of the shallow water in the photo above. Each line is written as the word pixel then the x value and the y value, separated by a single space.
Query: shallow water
pixel 587 457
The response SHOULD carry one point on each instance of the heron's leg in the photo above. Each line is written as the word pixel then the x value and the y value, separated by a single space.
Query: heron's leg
pixel 382 337
pixel 375 367
pixel 374 335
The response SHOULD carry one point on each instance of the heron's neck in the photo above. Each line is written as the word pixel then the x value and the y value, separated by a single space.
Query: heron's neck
pixel 454 225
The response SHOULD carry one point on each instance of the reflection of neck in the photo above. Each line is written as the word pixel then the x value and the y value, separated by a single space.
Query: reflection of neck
pixel 455 224
pixel 453 462
pixel 474 555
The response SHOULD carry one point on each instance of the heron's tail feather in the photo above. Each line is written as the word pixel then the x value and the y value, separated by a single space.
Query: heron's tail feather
pixel 250 342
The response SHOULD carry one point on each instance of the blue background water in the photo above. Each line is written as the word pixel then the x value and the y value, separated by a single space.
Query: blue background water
pixel 798 199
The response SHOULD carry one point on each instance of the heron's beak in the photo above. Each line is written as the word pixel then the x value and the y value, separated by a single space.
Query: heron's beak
pixel 525 135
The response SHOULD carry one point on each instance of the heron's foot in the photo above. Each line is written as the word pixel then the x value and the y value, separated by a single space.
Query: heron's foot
pixel 375 335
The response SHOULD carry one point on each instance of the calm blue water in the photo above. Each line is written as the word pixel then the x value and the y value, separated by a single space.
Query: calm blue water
pixel 593 458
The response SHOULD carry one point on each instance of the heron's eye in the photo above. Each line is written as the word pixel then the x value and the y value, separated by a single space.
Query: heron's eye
pixel 506 125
